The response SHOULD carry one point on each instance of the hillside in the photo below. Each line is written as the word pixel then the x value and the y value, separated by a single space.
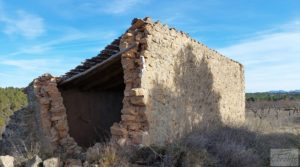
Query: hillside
pixel 273 96
pixel 11 99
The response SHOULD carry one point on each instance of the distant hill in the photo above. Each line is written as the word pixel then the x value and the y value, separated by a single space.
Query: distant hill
pixel 274 95
pixel 283 91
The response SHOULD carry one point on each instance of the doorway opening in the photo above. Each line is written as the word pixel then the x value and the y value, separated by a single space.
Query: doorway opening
pixel 94 102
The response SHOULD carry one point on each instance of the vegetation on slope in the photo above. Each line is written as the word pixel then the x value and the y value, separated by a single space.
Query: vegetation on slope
pixel 11 99
pixel 267 96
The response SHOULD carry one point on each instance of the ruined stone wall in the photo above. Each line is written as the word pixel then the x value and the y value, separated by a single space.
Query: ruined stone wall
pixel 50 115
pixel 188 85
pixel 133 128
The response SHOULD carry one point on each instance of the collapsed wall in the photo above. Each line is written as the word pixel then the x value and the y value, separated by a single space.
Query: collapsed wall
pixel 46 102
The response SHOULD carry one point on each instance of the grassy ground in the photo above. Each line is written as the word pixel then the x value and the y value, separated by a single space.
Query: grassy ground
pixel 224 146
pixel 247 146
pixel 273 121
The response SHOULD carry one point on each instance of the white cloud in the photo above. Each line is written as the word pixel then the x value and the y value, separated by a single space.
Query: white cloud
pixel 271 59
pixel 21 23
pixel 31 61
pixel 4 75
pixel 20 72
pixel 28 64
pixel 73 39
pixel 121 6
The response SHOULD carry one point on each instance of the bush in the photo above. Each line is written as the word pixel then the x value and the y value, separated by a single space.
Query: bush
pixel 239 146
pixel 106 155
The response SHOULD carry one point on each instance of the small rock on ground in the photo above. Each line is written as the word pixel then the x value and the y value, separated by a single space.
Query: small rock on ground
pixel 6 161
pixel 52 162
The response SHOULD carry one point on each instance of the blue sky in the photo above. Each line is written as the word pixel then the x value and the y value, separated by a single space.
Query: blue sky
pixel 54 36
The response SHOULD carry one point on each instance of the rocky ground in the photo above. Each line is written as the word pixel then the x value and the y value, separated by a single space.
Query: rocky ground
pixel 17 138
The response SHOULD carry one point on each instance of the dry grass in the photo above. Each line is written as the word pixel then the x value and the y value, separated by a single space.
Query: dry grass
pixel 111 158
pixel 247 146
pixel 25 152
pixel 273 121
pixel 239 146
pixel 107 155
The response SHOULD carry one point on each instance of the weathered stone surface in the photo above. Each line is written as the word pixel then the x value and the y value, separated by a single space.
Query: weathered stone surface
pixel 133 126
pixel 117 130
pixel 188 85
pixel 61 125
pixel 6 161
pixel 137 24
pixel 129 111
pixel 52 162
pixel 36 161
pixel 138 100
pixel 128 117
pixel 138 92
pixel 128 63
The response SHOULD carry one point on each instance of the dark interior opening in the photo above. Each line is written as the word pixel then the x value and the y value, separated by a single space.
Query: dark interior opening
pixel 93 103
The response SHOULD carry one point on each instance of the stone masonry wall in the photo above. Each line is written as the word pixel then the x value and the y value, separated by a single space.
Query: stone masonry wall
pixel 133 128
pixel 173 85
pixel 47 103
pixel 188 85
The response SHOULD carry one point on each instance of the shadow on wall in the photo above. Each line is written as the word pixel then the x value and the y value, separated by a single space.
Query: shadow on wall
pixel 183 98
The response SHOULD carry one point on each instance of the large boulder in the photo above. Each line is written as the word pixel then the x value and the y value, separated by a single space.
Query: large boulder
pixel 52 162
pixel 6 161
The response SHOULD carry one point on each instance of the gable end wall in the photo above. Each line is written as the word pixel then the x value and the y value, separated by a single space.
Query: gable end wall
pixel 188 85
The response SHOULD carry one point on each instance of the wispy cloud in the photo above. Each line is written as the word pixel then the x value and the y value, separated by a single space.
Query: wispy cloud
pixel 22 71
pixel 271 59
pixel 28 64
pixel 54 56
pixel 121 6
pixel 21 23
pixel 74 39
pixel 4 75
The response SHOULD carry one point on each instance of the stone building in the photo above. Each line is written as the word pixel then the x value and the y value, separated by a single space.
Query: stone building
pixel 152 85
